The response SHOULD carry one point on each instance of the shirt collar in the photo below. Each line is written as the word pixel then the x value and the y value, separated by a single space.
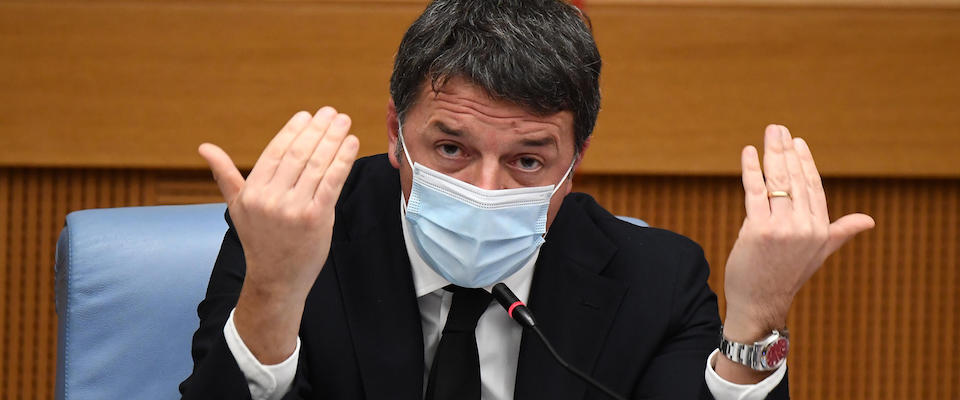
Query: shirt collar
pixel 426 280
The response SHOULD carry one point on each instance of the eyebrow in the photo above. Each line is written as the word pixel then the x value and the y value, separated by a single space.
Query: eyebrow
pixel 448 130
pixel 541 142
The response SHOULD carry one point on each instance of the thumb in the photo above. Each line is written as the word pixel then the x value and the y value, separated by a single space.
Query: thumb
pixel 845 228
pixel 224 171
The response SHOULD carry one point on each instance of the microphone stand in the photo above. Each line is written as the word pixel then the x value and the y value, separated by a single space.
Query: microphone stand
pixel 519 312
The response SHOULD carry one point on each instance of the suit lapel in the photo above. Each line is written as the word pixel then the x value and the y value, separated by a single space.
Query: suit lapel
pixel 376 284
pixel 574 306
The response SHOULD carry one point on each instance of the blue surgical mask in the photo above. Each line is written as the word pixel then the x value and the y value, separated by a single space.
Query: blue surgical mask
pixel 472 236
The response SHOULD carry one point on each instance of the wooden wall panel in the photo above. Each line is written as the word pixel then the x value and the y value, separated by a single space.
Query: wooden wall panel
pixel 141 83
pixel 880 321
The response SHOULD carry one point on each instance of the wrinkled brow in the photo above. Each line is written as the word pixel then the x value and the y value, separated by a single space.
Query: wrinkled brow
pixel 541 142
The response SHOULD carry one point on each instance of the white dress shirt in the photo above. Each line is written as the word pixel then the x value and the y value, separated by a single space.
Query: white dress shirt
pixel 498 341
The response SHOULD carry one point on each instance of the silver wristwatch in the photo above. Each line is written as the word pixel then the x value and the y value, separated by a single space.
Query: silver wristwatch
pixel 767 354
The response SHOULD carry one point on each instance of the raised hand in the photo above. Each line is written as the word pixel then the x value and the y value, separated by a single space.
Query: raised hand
pixel 284 213
pixel 785 237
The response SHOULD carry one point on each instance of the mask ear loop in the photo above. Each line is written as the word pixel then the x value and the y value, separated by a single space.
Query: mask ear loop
pixel 557 187
pixel 564 179
pixel 403 143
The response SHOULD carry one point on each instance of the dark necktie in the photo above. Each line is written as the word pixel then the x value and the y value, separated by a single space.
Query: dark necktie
pixel 455 374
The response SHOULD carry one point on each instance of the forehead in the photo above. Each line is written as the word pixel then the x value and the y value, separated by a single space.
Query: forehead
pixel 458 98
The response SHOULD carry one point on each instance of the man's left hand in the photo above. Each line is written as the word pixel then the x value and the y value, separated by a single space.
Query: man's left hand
pixel 785 237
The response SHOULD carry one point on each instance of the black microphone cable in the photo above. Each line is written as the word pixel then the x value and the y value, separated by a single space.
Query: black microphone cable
pixel 519 312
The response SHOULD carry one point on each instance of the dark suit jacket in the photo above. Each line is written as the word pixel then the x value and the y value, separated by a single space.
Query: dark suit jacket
pixel 628 305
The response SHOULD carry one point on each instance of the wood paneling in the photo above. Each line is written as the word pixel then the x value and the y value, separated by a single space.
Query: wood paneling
pixel 686 88
pixel 142 83
pixel 879 321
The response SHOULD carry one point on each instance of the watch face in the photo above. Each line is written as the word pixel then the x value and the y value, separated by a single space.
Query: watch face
pixel 777 352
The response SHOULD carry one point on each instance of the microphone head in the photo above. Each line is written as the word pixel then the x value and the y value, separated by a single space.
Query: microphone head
pixel 504 295
pixel 515 308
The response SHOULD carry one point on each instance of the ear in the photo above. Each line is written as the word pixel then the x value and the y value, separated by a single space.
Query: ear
pixel 576 165
pixel 583 151
pixel 393 125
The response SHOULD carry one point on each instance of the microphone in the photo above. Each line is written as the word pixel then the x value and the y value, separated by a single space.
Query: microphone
pixel 519 312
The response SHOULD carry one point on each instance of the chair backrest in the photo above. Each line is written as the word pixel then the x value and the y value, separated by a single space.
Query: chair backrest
pixel 128 281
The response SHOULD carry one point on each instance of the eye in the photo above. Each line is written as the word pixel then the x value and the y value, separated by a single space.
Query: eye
pixel 528 164
pixel 449 150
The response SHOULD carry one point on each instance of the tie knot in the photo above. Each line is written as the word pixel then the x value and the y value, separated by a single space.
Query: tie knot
pixel 467 307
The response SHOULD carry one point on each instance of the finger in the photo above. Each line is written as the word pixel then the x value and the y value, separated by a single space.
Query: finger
pixel 267 164
pixel 754 190
pixel 323 155
pixel 845 228
pixel 224 171
pixel 296 156
pixel 798 183
pixel 332 183
pixel 818 199
pixel 775 170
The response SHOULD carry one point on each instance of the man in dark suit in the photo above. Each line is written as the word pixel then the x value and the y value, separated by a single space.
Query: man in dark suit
pixel 334 279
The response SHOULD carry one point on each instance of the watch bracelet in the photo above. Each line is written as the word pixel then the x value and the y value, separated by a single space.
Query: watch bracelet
pixel 751 355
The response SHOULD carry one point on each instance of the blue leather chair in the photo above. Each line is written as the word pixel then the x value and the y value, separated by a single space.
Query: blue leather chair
pixel 128 281
pixel 128 284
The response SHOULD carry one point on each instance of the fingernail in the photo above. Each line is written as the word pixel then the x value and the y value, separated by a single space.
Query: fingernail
pixel 786 132
pixel 800 143
pixel 772 131
pixel 327 111
pixel 302 116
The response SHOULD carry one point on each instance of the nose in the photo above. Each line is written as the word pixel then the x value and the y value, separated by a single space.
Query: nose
pixel 489 175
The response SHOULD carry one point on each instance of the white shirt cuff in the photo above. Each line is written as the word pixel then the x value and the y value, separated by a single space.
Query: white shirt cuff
pixel 724 390
pixel 266 382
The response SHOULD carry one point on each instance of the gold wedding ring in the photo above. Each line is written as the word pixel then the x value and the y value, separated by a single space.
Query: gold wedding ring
pixel 779 193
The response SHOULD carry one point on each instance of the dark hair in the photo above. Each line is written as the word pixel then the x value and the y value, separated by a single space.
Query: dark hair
pixel 539 54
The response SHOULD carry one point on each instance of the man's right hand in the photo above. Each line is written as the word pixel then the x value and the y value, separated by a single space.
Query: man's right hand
pixel 283 213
